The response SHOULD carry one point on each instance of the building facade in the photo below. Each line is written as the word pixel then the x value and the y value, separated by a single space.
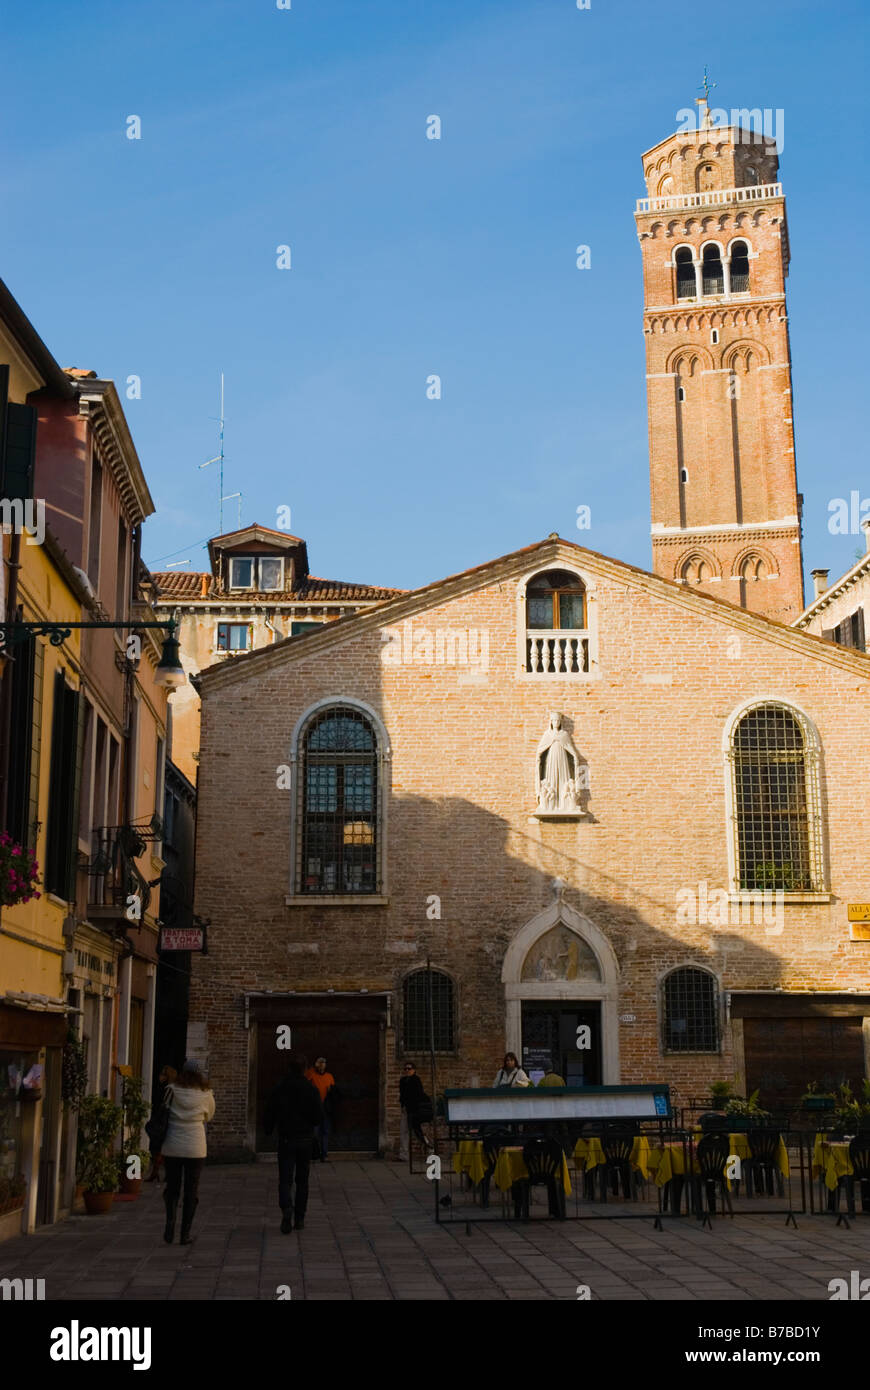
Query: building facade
pixel 606 809
pixel 257 591
pixel 83 746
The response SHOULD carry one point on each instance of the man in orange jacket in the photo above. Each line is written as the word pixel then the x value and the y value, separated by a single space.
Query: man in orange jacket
pixel 323 1082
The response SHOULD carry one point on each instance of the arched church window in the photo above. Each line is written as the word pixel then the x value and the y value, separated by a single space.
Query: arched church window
pixel 750 175
pixel 556 636
pixel 706 178
pixel 428 1013
pixel 685 274
pixel 339 796
pixel 775 800
pixel 690 1011
pixel 695 568
pixel 739 268
pixel 753 567
pixel 712 276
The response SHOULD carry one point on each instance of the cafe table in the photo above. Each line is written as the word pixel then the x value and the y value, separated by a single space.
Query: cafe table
pixel 469 1159
pixel 511 1167
pixel 831 1160
pixel 589 1153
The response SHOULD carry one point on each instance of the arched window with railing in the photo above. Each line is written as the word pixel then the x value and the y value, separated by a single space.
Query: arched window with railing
pixel 557 636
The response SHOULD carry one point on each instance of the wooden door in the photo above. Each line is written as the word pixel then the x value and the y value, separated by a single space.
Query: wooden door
pixel 351 1049
pixel 784 1054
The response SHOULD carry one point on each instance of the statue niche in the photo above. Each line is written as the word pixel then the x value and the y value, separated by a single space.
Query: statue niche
pixel 559 776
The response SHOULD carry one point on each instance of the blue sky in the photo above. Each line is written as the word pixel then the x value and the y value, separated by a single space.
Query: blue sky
pixel 263 127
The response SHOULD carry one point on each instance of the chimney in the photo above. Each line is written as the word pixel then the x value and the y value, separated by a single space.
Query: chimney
pixel 865 527
pixel 203 586
pixel 820 581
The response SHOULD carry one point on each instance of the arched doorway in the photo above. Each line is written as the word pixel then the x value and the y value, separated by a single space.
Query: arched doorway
pixel 561 987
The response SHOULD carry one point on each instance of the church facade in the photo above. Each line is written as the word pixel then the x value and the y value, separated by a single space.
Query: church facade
pixel 554 804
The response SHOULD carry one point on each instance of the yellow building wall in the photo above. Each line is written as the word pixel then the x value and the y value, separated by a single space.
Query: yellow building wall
pixel 44 594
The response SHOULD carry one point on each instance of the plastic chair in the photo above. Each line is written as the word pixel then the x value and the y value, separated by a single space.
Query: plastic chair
pixel 711 1156
pixel 764 1150
pixel 544 1159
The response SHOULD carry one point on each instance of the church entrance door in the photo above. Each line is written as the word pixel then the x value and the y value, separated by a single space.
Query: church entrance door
pixel 562 1037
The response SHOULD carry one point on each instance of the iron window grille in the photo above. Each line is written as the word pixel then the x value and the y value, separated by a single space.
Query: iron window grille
pixel 416 1012
pixel 339 842
pixel 691 1011
pixel 775 789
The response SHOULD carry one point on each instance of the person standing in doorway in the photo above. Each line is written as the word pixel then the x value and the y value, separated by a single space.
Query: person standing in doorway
pixel 511 1073
pixel 191 1106
pixel 323 1082
pixel 294 1108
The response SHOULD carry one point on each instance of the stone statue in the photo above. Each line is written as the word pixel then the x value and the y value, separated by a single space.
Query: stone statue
pixel 556 770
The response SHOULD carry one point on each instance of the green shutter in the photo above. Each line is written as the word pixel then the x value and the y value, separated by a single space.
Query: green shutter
pixel 20 674
pixel 19 452
pixel 78 716
pixel 36 744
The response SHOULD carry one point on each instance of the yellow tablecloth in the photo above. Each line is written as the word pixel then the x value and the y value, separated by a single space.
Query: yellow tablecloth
pixel 589 1153
pixel 469 1159
pixel 831 1158
pixel 510 1168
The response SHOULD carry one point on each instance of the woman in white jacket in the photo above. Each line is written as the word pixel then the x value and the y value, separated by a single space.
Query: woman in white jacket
pixel 191 1106
pixel 511 1073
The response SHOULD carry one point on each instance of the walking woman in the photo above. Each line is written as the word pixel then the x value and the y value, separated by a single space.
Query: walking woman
pixel 191 1106
pixel 166 1078
pixel 511 1073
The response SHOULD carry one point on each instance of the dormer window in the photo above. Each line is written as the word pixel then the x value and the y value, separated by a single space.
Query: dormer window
pixel 264 573
pixel 241 573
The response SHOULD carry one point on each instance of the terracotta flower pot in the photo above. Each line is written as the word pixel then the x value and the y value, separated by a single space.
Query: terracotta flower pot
pixel 130 1186
pixel 96 1203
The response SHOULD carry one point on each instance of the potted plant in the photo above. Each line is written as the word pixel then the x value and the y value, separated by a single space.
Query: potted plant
pixel 101 1184
pixel 19 872
pixel 745 1112
pixel 96 1165
pixel 720 1093
pixel 134 1111
pixel 814 1098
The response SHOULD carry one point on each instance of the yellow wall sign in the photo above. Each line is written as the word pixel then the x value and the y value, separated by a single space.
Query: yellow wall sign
pixel 859 912
pixel 859 931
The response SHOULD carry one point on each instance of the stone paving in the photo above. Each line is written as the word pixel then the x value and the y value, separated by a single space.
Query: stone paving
pixel 370 1234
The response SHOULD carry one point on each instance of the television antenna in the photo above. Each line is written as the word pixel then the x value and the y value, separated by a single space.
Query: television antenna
pixel 219 458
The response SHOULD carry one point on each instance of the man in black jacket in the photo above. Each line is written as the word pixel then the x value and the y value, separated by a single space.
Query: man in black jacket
pixel 294 1107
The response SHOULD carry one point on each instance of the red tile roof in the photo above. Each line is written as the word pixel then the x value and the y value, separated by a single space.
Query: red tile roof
pixel 188 585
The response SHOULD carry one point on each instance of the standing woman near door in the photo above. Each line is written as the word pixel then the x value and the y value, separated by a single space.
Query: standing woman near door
pixel 511 1073
pixel 191 1106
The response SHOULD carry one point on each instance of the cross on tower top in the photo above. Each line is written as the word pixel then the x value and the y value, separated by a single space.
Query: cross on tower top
pixel 707 86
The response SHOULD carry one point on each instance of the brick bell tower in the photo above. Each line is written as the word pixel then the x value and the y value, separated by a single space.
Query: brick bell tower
pixel 714 242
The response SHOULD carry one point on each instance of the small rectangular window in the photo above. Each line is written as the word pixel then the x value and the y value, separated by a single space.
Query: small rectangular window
pixel 714 335
pixel 681 393
pixel 241 572
pixel 271 573
pixel 233 637
pixel 296 628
